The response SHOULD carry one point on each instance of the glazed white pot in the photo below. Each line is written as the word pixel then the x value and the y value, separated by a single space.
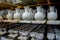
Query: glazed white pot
pixel 9 15
pixel 24 33
pixel 27 15
pixel 31 13
pixel 52 15
pixel 40 13
pixel 50 35
pixel 39 36
pixel 17 15
pixel 33 39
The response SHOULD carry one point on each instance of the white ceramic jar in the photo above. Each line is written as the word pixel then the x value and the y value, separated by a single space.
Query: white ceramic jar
pixel 27 15
pixel 40 13
pixel 9 15
pixel 17 14
pixel 31 13
pixel 52 15
pixel 33 39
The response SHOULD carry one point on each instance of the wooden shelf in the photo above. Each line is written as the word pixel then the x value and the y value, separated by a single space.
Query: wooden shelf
pixel 25 21
pixel 11 21
pixel 9 5
pixel 56 22
pixel 37 5
pixel 39 22
pixel 41 5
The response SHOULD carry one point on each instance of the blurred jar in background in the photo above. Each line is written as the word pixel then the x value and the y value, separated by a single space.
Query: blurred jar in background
pixel 4 12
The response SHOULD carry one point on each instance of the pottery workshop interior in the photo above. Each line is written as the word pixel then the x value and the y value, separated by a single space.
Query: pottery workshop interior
pixel 29 19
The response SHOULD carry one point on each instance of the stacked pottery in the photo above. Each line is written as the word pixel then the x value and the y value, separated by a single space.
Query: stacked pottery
pixel 52 15
pixel 9 15
pixel 27 15
pixel 17 14
pixel 40 13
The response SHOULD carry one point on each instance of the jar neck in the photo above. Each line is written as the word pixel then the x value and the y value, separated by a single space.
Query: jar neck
pixel 39 9
pixel 51 8
pixel 17 10
pixel 26 9
pixel 30 10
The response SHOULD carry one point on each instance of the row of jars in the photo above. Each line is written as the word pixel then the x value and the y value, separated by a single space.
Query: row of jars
pixel 28 14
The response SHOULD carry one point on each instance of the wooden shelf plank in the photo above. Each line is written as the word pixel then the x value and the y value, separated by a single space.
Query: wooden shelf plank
pixel 11 21
pixel 56 22
pixel 25 21
pixel 41 4
pixel 33 5
pixel 4 4
pixel 38 4
pixel 9 5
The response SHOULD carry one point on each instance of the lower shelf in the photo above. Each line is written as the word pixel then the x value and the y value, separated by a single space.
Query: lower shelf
pixel 53 22
pixel 26 21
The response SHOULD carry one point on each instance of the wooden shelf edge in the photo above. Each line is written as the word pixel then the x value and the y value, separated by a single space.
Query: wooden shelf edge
pixel 8 4
pixel 23 21
pixel 11 21
pixel 15 6
pixel 53 22
pixel 41 4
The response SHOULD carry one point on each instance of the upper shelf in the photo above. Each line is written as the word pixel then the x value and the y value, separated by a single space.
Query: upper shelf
pixel 23 3
pixel 6 5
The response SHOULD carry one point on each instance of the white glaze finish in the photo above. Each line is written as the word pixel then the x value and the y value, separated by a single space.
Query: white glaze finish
pixel 9 15
pixel 11 31
pixel 33 34
pixel 24 33
pixel 40 13
pixel 39 36
pixel 58 35
pixel 17 15
pixel 50 35
pixel 52 15
pixel 33 39
pixel 31 13
pixel 27 15
pixel 23 38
